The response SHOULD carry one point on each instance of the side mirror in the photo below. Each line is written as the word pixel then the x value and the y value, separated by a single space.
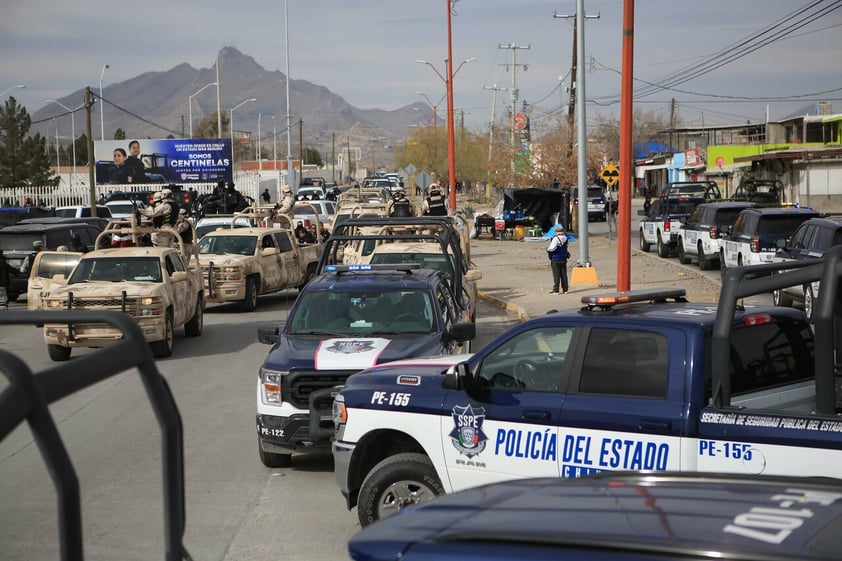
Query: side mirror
pixel 269 251
pixel 782 243
pixel 268 334
pixel 457 377
pixel 58 278
pixel 462 331
pixel 179 276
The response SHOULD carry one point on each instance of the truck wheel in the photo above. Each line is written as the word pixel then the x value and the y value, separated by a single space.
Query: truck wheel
pixel 704 262
pixel 311 274
pixel 809 302
pixel 682 256
pixel 663 249
pixel 58 353
pixel 249 303
pixel 194 327
pixel 395 483
pixel 163 349
pixel 644 245
pixel 271 459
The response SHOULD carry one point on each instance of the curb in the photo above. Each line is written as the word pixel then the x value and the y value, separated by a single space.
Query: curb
pixel 519 312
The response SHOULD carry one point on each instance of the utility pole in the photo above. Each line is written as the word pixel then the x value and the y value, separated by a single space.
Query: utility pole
pixel 333 156
pixel 514 48
pixel 89 103
pixel 301 143
pixel 494 89
pixel 584 265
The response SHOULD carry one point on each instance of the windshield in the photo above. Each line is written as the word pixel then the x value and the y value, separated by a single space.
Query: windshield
pixel 436 261
pixel 219 245
pixel 121 208
pixel 356 313
pixel 117 269
pixel 204 228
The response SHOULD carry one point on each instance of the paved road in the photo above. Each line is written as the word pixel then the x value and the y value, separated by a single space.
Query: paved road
pixel 236 508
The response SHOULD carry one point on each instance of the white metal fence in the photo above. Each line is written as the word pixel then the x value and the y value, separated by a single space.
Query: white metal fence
pixel 74 190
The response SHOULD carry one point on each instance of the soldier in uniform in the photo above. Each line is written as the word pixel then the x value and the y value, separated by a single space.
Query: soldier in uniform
pixel 164 215
pixel 435 203
pixel 399 205
pixel 287 201
pixel 185 228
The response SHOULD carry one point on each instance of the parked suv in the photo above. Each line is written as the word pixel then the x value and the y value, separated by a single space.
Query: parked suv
pixel 810 241
pixel 699 237
pixel 596 202
pixel 756 233
pixel 16 242
pixel 80 211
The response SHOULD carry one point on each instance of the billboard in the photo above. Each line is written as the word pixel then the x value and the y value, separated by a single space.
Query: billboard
pixel 168 160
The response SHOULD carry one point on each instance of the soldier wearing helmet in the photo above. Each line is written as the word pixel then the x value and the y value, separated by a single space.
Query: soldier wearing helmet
pixel 285 206
pixel 164 215
pixel 435 204
pixel 399 205
pixel 184 227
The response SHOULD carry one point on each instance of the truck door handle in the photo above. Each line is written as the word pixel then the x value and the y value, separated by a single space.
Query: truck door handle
pixel 535 414
pixel 655 426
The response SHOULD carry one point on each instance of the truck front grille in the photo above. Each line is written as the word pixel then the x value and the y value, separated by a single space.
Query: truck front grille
pixel 298 385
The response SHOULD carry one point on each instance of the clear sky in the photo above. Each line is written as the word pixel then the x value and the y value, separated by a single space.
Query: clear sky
pixel 714 56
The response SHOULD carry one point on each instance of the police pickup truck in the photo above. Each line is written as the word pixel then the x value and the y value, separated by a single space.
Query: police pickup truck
pixel 638 380
pixel 659 227
pixel 347 319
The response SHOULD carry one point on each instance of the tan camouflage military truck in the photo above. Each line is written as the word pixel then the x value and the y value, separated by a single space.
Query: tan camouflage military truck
pixel 149 284
pixel 239 264
pixel 435 242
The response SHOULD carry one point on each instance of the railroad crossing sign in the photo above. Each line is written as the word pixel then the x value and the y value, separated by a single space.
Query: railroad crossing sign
pixel 610 174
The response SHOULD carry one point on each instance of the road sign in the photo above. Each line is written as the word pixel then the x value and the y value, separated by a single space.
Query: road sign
pixel 610 174
pixel 520 121
pixel 409 169
pixel 423 180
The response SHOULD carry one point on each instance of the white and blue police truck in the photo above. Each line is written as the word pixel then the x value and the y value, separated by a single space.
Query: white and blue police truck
pixel 639 380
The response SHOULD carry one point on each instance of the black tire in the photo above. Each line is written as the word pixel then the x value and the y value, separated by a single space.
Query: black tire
pixel 194 327
pixel 663 249
pixel 704 262
pixel 644 245
pixel 273 459
pixel 249 303
pixel 780 298
pixel 397 482
pixel 163 348
pixel 58 353
pixel 311 274
pixel 682 256
pixel 809 302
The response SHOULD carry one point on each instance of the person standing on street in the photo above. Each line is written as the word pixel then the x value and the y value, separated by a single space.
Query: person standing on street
pixel 399 205
pixel 559 254
pixel 434 204
pixel 185 228
pixel 37 247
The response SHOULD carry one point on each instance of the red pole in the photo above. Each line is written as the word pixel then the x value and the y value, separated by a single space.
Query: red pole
pixel 626 165
pixel 451 142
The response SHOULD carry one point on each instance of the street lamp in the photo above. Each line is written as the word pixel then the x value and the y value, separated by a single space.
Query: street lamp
pixel 72 131
pixel 190 102
pixel 231 126
pixel 101 108
pixel 435 107
pixel 259 158
pixel 7 90
pixel 451 141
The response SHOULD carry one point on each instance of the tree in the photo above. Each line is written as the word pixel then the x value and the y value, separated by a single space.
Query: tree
pixel 206 127
pixel 119 134
pixel 646 125
pixel 312 156
pixel 23 160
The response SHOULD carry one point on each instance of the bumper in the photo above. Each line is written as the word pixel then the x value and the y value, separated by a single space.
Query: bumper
pixel 97 335
pixel 225 292
pixel 342 453
pixel 289 433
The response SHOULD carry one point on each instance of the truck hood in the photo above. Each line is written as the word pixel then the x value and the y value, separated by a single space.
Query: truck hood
pixel 348 353
pixel 108 289
pixel 224 260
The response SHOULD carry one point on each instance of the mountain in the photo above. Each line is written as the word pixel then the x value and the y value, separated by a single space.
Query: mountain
pixel 156 105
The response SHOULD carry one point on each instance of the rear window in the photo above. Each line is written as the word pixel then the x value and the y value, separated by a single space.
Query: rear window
pixel 779 223
pixel 768 355
pixel 726 216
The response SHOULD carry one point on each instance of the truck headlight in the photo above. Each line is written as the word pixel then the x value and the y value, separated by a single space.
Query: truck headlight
pixel 340 414
pixel 232 273
pixel 270 386
pixel 151 306
pixel 53 304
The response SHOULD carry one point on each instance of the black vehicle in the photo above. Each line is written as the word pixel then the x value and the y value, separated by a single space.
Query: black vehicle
pixel 770 191
pixel 16 243
pixel 617 516
pixel 810 241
